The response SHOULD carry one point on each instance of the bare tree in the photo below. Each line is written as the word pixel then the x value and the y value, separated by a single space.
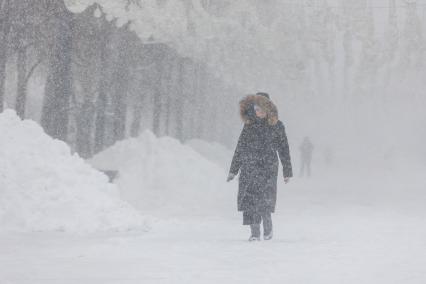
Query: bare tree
pixel 58 89
pixel 104 83
pixel 29 42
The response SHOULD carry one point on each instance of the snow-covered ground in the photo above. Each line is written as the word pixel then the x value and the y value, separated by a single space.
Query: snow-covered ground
pixel 334 229
pixel 347 224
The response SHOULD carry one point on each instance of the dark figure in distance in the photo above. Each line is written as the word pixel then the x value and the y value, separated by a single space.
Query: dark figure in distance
pixel 306 149
pixel 255 158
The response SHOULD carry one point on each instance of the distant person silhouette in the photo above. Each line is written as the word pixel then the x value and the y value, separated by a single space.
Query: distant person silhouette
pixel 306 149
pixel 328 155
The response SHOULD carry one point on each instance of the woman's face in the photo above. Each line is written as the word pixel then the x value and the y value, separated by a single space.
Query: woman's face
pixel 260 113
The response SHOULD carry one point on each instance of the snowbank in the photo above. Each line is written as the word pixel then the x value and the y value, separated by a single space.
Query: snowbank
pixel 213 151
pixel 43 187
pixel 161 176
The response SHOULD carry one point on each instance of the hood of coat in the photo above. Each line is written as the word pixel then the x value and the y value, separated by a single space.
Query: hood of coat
pixel 247 109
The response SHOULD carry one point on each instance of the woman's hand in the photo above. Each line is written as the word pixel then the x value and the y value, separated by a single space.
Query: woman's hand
pixel 230 177
pixel 286 180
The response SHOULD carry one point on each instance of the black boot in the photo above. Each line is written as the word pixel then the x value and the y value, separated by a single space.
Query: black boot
pixel 255 232
pixel 267 226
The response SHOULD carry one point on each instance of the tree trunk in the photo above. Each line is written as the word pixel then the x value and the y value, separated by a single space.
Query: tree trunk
pixel 86 33
pixel 158 96
pixel 168 108
pixel 157 110
pixel 180 100
pixel 84 128
pixel 201 76
pixel 121 79
pixel 137 117
pixel 192 108
pixel 4 34
pixel 86 115
pixel 170 92
pixel 21 94
pixel 3 60
pixel 119 101
pixel 101 101
pixel 58 90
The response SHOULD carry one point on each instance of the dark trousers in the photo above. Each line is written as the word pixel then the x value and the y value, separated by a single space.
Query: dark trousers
pixel 306 163
pixel 254 220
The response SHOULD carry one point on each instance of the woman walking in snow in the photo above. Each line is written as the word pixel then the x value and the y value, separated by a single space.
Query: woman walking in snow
pixel 256 159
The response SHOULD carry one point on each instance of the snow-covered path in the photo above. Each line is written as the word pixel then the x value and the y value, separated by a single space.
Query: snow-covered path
pixel 321 236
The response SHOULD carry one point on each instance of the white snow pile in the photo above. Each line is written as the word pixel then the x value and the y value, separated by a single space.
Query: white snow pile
pixel 213 151
pixel 43 187
pixel 160 176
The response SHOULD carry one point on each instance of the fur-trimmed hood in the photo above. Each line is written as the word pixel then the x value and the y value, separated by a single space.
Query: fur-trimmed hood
pixel 267 105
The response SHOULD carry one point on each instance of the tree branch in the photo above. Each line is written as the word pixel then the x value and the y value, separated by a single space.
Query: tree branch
pixel 30 73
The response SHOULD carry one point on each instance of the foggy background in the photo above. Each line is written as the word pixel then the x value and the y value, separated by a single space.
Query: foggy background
pixel 349 74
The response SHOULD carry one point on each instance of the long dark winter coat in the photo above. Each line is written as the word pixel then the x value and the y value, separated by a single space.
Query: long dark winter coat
pixel 255 156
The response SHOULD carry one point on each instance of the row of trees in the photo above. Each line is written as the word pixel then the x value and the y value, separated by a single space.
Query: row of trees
pixel 358 49
pixel 102 83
